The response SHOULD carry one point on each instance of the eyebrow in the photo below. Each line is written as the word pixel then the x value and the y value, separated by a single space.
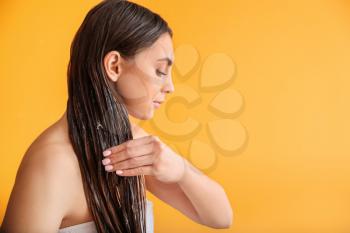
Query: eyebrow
pixel 170 62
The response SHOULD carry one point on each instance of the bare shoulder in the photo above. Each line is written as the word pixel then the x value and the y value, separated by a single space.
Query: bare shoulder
pixel 41 194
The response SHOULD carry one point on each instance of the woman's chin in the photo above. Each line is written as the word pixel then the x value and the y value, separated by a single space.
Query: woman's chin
pixel 144 114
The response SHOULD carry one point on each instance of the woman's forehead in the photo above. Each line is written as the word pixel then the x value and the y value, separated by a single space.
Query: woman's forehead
pixel 161 48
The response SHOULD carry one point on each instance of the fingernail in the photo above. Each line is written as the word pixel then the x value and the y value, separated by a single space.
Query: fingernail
pixel 106 161
pixel 107 152
pixel 119 172
pixel 108 167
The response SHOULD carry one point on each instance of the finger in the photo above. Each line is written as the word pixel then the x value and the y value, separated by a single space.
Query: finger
pixel 130 163
pixel 128 153
pixel 134 162
pixel 131 152
pixel 115 149
pixel 133 142
pixel 142 140
pixel 144 170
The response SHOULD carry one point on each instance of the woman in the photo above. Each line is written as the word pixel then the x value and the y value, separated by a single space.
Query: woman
pixel 69 179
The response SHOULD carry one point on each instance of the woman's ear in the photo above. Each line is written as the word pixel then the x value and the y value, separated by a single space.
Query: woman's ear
pixel 112 65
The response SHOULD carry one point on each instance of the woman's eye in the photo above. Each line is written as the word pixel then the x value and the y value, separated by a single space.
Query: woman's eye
pixel 159 73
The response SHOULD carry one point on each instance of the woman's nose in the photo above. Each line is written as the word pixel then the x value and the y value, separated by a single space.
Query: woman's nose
pixel 169 86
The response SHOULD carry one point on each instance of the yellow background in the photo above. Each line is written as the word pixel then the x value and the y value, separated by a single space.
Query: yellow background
pixel 292 68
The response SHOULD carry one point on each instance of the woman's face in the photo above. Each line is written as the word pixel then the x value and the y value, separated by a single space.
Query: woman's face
pixel 145 79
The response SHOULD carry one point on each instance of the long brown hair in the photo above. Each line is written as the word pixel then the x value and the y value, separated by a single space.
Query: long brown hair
pixel 97 117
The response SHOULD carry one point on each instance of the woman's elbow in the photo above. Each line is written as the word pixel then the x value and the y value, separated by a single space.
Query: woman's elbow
pixel 224 222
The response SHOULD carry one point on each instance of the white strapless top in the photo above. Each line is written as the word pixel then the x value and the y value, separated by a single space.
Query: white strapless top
pixel 90 227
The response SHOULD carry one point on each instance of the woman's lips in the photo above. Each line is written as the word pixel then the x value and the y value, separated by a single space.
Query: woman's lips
pixel 157 104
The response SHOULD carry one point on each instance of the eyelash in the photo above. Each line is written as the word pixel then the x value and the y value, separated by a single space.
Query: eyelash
pixel 160 73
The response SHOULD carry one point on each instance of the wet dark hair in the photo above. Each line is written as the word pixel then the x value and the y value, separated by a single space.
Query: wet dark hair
pixel 97 117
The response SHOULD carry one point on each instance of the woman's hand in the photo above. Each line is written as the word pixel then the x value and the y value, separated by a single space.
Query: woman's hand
pixel 146 155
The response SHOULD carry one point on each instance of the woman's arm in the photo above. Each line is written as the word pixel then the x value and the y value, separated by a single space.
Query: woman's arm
pixel 199 198
pixel 38 199
pixel 208 197
pixel 195 195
